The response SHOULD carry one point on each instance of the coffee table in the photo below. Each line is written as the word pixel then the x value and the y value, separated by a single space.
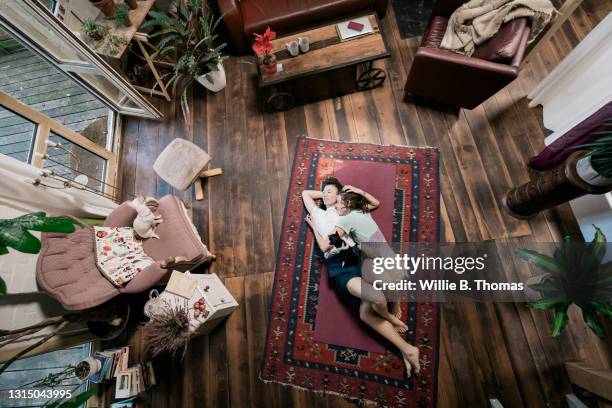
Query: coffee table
pixel 331 68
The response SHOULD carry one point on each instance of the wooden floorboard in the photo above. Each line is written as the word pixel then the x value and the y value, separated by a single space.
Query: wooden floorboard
pixel 487 351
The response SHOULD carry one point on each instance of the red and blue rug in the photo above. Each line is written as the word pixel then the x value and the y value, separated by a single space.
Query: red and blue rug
pixel 341 356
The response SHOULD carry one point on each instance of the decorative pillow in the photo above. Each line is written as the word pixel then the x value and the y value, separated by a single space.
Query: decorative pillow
pixel 504 44
pixel 119 255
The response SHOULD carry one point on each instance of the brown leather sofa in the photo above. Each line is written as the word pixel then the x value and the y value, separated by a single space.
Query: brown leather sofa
pixel 465 81
pixel 245 17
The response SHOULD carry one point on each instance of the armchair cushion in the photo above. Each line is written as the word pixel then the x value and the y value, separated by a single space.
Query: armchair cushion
pixel 504 44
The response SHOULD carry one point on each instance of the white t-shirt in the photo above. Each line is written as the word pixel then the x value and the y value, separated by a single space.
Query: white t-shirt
pixel 325 222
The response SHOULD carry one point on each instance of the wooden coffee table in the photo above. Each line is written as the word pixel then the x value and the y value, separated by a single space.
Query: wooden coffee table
pixel 331 68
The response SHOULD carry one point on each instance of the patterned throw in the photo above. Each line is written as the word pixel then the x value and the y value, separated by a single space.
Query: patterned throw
pixel 293 356
pixel 119 255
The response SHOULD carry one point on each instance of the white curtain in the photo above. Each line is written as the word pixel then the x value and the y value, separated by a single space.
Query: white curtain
pixel 18 191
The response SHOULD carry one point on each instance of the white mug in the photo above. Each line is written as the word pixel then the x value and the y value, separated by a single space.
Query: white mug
pixel 304 44
pixel 293 47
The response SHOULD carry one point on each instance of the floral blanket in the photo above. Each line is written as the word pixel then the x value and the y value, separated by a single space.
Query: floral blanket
pixel 119 254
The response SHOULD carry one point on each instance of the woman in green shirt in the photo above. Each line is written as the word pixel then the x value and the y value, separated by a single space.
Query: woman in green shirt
pixel 355 220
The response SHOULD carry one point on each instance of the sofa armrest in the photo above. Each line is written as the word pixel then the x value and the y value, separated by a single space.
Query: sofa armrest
pixel 520 52
pixel 458 63
pixel 122 216
pixel 232 16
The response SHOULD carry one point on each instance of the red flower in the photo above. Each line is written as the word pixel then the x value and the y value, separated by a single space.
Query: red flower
pixel 101 234
pixel 263 44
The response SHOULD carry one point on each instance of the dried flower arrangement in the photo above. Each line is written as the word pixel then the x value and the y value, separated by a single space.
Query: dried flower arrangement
pixel 168 331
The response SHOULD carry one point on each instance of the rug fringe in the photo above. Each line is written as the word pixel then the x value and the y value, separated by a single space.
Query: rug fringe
pixel 360 401
pixel 370 143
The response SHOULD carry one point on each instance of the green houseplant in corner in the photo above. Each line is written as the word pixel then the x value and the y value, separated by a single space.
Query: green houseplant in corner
pixel 190 33
pixel 15 233
pixel 574 275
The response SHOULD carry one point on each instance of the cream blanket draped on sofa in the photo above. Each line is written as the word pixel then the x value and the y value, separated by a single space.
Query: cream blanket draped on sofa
pixel 478 20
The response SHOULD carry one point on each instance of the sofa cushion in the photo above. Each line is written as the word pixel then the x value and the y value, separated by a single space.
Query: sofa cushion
pixel 435 32
pixel 504 44
pixel 288 15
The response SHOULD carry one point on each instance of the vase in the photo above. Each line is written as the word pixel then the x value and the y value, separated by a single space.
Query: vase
pixel 132 4
pixel 107 7
pixel 215 80
pixel 569 180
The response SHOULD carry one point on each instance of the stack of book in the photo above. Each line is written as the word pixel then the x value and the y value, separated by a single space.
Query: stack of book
pixel 112 362
pixel 134 380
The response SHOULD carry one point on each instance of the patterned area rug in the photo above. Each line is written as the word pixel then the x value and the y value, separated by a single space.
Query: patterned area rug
pixel 292 356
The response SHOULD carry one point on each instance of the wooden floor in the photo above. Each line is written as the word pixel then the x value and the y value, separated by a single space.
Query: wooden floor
pixel 499 351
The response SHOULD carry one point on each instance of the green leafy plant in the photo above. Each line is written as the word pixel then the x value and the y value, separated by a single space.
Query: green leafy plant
pixel 122 18
pixel 574 275
pixel 14 233
pixel 190 32
pixel 601 151
pixel 94 31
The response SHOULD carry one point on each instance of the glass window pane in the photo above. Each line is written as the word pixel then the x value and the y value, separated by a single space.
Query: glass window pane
pixel 70 160
pixel 28 78
pixel 16 135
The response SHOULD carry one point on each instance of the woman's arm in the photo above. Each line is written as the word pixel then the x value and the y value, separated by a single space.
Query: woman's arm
pixel 373 203
pixel 323 242
pixel 309 197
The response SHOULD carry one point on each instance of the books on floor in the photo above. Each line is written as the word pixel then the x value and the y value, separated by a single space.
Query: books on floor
pixel 347 31
pixel 112 362
pixel 134 380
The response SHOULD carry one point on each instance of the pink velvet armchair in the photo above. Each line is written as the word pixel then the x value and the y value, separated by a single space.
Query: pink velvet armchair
pixel 67 269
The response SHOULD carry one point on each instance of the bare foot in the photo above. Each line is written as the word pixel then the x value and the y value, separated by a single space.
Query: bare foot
pixel 400 326
pixel 396 310
pixel 408 366
pixel 411 357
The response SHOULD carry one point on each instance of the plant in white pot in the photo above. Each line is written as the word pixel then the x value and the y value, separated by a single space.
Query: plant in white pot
pixel 190 33
pixel 587 171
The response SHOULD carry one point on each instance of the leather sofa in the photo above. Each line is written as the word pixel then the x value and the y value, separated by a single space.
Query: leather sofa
pixel 245 17
pixel 460 80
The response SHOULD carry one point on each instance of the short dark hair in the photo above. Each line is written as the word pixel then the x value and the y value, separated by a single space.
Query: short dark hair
pixel 332 181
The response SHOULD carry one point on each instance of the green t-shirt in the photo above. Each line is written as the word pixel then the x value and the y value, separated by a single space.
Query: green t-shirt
pixel 361 226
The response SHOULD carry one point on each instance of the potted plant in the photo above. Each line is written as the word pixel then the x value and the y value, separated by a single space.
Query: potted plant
pixel 583 172
pixel 122 18
pixel 107 7
pixel 94 31
pixel 263 48
pixel 190 32
pixel 574 275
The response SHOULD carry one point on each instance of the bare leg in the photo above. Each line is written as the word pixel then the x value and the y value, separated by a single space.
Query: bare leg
pixel 363 290
pixel 410 353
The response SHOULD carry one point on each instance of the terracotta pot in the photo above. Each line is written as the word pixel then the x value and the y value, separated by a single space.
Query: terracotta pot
pixel 107 7
pixel 270 67
pixel 132 4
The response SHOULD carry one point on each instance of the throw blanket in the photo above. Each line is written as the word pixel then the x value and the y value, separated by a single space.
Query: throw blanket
pixel 119 255
pixel 478 20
